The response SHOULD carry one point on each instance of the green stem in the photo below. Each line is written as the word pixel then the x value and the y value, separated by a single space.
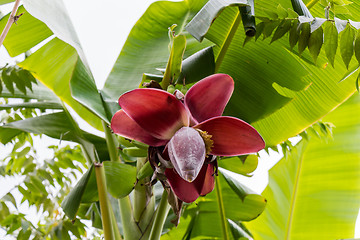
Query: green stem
pixel 104 202
pixel 227 42
pixel 147 218
pixel 311 3
pixel 160 217
pixel 144 202
pixel 110 142
pixel 115 226
pixel 221 210
pixel 131 231
pixel 141 195
pixel 130 228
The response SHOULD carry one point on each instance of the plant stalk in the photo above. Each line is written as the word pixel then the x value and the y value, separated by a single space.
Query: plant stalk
pixel 224 228
pixel 160 217
pixel 131 231
pixel 130 228
pixel 141 193
pixel 105 206
pixel 11 20
pixel 227 42
pixel 110 142
pixel 115 226
pixel 144 202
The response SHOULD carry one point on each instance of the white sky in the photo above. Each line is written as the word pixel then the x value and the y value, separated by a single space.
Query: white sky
pixel 102 30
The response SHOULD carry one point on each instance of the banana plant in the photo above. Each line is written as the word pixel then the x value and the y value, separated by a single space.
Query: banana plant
pixel 166 144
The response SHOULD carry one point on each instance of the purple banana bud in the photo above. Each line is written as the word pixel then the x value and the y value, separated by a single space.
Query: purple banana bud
pixel 187 153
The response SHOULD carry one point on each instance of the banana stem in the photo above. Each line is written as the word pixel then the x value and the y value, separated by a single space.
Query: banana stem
pixel 105 206
pixel 131 231
pixel 221 210
pixel 110 142
pixel 144 202
pixel 160 217
pixel 141 193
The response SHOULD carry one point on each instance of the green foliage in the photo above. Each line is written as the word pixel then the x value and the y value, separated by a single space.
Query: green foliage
pixel 56 61
pixel 307 31
pixel 29 28
pixel 318 178
pixel 120 178
pixel 243 165
pixel 44 184
pixel 210 11
pixel 22 79
pixel 150 37
pixel 275 90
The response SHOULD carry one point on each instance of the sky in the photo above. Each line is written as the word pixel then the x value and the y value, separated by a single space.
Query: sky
pixel 102 30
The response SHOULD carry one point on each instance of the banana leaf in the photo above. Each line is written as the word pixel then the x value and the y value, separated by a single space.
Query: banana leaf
pixel 273 85
pixel 315 192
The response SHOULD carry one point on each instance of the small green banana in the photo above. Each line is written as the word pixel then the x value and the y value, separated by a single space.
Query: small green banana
pixel 135 152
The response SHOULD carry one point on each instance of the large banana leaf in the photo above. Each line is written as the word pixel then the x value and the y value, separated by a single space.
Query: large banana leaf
pixel 56 125
pixel 315 192
pixel 273 85
pixel 60 64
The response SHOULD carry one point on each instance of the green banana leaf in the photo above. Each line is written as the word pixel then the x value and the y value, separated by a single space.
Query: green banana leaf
pixel 56 125
pixel 71 202
pixel 38 105
pixel 28 28
pixel 315 192
pixel 82 84
pixel 243 165
pixel 273 85
pixel 60 64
